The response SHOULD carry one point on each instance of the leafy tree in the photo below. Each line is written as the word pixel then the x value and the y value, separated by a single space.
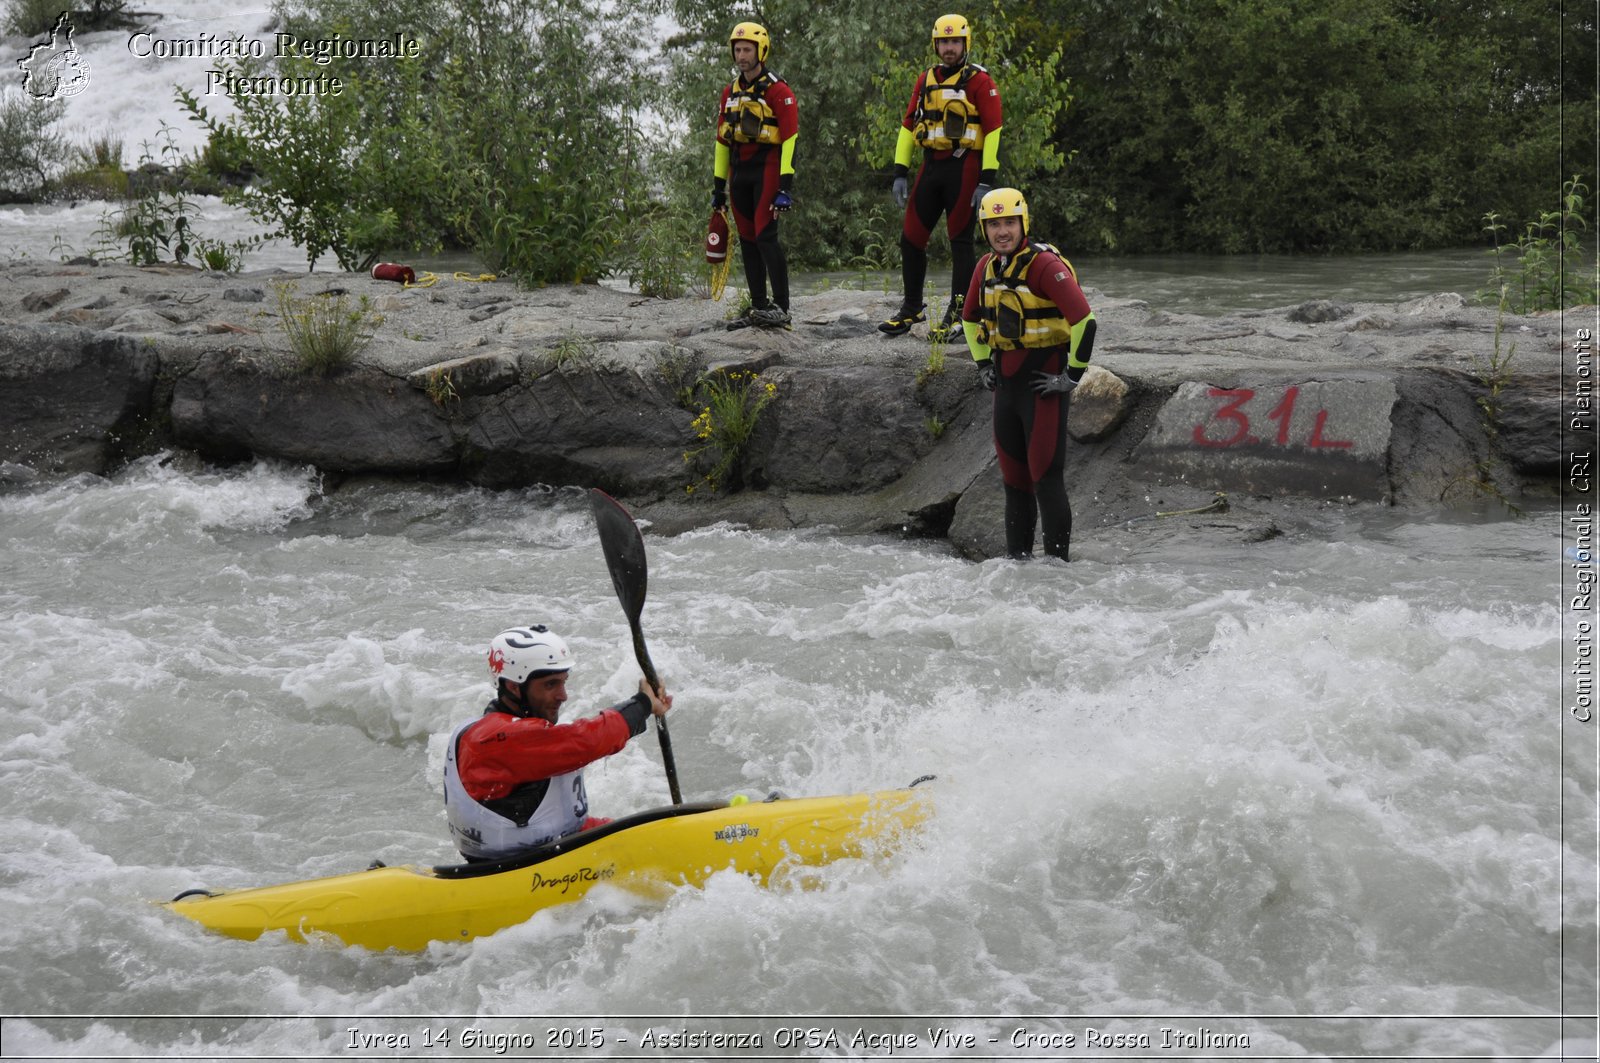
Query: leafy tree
pixel 1029 70
pixel 30 18
pixel 504 135
pixel 1139 125
pixel 32 149
pixel 852 65
pixel 545 137
pixel 1292 125
pixel 321 180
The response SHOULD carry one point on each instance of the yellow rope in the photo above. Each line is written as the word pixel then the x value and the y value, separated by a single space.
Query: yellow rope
pixel 1218 504
pixel 428 280
pixel 719 278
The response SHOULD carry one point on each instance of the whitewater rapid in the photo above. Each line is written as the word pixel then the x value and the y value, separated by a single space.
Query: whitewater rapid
pixel 1320 776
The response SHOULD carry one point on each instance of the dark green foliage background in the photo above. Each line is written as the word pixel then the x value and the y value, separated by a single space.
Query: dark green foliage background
pixel 563 140
pixel 1321 125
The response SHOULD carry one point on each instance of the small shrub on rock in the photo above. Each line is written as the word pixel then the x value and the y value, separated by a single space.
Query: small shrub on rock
pixel 325 331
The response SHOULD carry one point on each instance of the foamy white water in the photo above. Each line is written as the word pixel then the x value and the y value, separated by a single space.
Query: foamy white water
pixel 1242 786
pixel 132 89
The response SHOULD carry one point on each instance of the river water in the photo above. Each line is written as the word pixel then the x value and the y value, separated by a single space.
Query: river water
pixel 1231 788
pixel 1318 793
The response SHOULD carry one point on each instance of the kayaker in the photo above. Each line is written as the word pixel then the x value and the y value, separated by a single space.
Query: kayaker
pixel 1025 311
pixel 513 777
pixel 753 171
pixel 954 115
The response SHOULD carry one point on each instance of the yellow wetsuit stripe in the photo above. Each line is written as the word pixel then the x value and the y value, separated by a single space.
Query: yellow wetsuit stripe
pixel 991 149
pixel 903 146
pixel 719 161
pixel 980 351
pixel 1073 361
pixel 786 164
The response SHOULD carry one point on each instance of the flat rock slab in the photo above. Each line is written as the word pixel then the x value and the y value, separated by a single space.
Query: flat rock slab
pixel 1316 438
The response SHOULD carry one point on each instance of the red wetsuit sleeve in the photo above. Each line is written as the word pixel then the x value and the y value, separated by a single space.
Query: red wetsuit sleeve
pixel 722 106
pixel 780 97
pixel 973 304
pixel 501 752
pixel 909 120
pixel 985 95
pixel 1049 276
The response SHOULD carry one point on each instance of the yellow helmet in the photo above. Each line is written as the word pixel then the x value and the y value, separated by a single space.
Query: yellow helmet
pixel 752 31
pixel 953 26
pixel 1003 203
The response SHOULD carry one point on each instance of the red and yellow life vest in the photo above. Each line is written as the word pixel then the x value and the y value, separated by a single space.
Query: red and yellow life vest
pixel 947 119
pixel 746 117
pixel 1012 316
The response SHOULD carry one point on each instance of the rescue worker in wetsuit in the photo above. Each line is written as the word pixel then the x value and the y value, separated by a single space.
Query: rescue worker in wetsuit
pixel 513 777
pixel 1025 311
pixel 954 116
pixel 753 170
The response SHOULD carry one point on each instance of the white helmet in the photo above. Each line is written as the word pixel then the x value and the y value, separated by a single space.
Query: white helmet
pixel 518 653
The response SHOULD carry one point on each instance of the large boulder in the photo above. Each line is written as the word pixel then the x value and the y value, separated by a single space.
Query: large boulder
pixel 1529 414
pixel 69 396
pixel 847 429
pixel 1100 403
pixel 1317 438
pixel 607 416
pixel 357 420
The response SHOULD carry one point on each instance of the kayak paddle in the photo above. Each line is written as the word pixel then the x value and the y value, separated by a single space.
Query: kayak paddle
pixel 624 550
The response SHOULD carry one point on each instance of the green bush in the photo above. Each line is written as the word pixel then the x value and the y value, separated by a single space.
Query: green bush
pixel 31 18
pixel 1313 125
pixel 90 184
pixel 319 182
pixel 1547 269
pixel 32 149
pixel 94 170
pixel 325 331
pixel 504 135
pixel 731 406
pixel 156 222
pixel 666 259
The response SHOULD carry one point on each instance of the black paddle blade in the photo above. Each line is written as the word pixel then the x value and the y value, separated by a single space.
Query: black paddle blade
pixel 623 547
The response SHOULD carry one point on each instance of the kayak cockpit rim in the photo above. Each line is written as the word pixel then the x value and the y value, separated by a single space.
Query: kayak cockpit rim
pixel 573 841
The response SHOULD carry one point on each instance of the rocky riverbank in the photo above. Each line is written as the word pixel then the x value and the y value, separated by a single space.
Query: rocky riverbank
pixel 1411 404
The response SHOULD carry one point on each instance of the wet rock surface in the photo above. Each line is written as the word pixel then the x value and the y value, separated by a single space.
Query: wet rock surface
pixel 1407 404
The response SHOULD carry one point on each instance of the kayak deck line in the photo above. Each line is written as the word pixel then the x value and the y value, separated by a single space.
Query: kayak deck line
pixel 650 853
pixel 572 841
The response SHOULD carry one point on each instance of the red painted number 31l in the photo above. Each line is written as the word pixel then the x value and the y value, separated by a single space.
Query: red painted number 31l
pixel 1232 413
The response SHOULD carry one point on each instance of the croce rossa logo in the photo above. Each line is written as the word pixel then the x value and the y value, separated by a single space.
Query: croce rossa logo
pixel 55 69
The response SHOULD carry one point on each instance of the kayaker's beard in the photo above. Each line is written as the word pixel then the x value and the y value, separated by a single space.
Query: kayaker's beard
pixel 515 703
pixel 522 702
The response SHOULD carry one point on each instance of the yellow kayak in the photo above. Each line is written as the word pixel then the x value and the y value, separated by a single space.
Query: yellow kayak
pixel 408 907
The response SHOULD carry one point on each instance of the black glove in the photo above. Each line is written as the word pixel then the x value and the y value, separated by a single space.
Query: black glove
pixel 978 194
pixel 986 375
pixel 636 712
pixel 782 202
pixel 1053 383
pixel 719 193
